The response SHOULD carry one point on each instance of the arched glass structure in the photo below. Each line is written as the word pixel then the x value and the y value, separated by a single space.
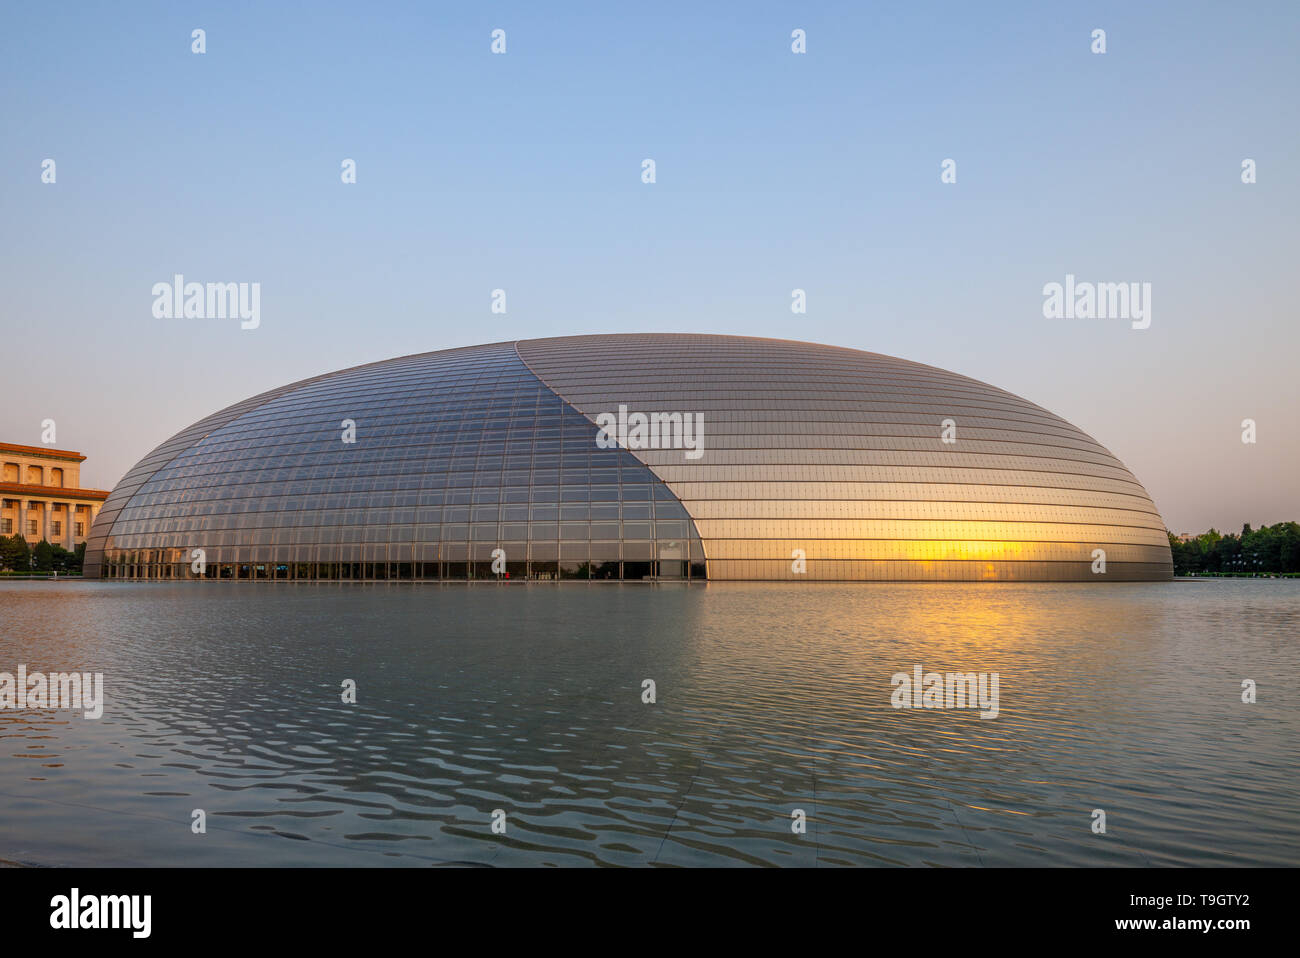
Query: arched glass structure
pixel 815 462
pixel 457 454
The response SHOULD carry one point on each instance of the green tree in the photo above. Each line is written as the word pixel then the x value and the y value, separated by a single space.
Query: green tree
pixel 44 556
pixel 14 553
pixel 1267 550
pixel 60 559
pixel 1178 552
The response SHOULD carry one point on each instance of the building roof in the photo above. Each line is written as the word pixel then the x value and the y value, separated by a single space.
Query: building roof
pixel 45 452
pixel 53 492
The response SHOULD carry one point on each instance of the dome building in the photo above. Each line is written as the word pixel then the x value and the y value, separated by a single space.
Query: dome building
pixel 671 456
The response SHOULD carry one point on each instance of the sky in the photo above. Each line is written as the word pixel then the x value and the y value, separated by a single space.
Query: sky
pixel 774 171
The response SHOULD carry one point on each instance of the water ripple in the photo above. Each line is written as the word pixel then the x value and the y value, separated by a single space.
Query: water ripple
pixel 770 698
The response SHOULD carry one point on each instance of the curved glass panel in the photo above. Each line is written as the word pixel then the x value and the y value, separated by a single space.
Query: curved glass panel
pixel 458 464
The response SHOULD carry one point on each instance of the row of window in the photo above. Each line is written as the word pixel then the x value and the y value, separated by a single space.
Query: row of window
pixel 268 526
pixel 525 472
pixel 145 550
pixel 668 464
pixel 499 398
pixel 296 444
pixel 669 569
pixel 395 424
pixel 306 511
pixel 793 500
pixel 847 536
pixel 7 527
pixel 35 475
pixel 393 491
pixel 879 484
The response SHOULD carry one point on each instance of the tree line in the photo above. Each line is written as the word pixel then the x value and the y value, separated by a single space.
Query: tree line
pixel 1268 550
pixel 17 556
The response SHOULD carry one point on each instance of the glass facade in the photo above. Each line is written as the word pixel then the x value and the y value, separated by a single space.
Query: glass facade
pixel 816 462
pixel 463 466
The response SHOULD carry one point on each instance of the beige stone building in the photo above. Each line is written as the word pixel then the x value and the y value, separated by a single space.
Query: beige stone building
pixel 41 495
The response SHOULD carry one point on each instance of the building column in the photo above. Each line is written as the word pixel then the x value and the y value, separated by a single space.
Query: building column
pixel 22 518
pixel 45 520
pixel 70 525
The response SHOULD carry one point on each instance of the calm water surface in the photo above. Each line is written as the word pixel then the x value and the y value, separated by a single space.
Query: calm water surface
pixel 527 698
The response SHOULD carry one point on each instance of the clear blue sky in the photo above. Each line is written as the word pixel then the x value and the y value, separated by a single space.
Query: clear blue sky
pixel 775 171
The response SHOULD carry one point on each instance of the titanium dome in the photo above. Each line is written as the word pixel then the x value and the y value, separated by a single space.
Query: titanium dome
pixel 830 452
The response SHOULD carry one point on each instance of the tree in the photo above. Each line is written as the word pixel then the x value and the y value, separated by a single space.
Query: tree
pixel 44 556
pixel 60 559
pixel 1268 550
pixel 14 553
pixel 1178 551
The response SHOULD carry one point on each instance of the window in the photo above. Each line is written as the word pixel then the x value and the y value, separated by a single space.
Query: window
pixel 31 527
pixel 7 526
pixel 56 528
pixel 81 530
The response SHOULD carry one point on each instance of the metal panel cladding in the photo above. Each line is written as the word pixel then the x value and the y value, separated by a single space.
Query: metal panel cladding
pixel 827 463
pixel 811 462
